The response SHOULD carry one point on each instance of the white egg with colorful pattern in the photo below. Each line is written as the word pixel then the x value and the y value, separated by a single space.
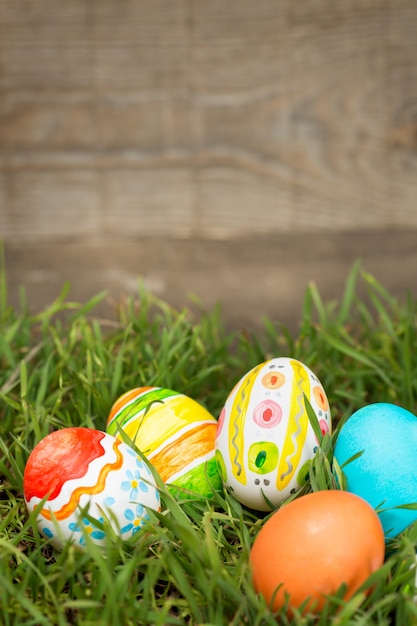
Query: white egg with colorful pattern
pixel 264 438
pixel 84 483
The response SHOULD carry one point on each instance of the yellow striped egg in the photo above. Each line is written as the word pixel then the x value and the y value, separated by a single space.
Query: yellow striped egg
pixel 174 432
pixel 264 438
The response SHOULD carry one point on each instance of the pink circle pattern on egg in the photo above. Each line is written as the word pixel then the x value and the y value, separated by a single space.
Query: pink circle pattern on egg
pixel 220 421
pixel 324 427
pixel 267 414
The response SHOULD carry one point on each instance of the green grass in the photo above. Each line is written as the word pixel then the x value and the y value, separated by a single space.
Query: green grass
pixel 65 367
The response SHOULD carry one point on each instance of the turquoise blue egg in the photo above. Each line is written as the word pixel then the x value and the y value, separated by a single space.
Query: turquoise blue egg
pixel 386 473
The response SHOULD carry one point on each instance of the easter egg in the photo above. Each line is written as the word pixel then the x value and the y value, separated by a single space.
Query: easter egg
pixel 264 439
pixel 385 474
pixel 309 547
pixel 176 434
pixel 80 478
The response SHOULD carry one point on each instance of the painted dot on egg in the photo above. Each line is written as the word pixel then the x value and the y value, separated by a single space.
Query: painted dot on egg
pixel 324 427
pixel 176 433
pixel 263 457
pixel 221 465
pixel 80 475
pixel 267 414
pixel 273 380
pixel 220 422
pixel 320 397
pixel 303 474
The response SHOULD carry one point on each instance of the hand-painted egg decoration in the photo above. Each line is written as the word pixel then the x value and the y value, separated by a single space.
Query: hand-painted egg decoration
pixel 174 432
pixel 87 480
pixel 264 438
pixel 385 474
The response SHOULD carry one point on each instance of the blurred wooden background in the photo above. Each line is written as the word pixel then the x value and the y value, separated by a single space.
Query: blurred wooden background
pixel 153 138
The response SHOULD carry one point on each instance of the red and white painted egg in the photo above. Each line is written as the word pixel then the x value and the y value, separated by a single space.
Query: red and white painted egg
pixel 84 481
pixel 264 439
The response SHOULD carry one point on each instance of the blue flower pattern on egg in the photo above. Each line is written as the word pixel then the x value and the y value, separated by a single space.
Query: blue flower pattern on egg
pixel 87 526
pixel 136 519
pixel 134 484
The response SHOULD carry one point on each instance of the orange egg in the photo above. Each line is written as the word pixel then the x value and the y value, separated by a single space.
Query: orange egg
pixel 312 545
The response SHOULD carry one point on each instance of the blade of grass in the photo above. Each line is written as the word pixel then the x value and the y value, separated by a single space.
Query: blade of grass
pixel 349 295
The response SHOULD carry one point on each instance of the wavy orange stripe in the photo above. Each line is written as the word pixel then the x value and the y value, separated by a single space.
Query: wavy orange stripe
pixel 179 453
pixel 72 504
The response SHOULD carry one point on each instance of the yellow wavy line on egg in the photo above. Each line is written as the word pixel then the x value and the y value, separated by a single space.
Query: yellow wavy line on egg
pixel 297 426
pixel 236 424
pixel 68 508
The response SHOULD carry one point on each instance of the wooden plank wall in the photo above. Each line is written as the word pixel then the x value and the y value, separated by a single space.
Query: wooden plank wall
pixel 213 119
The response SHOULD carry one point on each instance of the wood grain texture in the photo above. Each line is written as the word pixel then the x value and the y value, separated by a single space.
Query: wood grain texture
pixel 206 119
pixel 252 277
